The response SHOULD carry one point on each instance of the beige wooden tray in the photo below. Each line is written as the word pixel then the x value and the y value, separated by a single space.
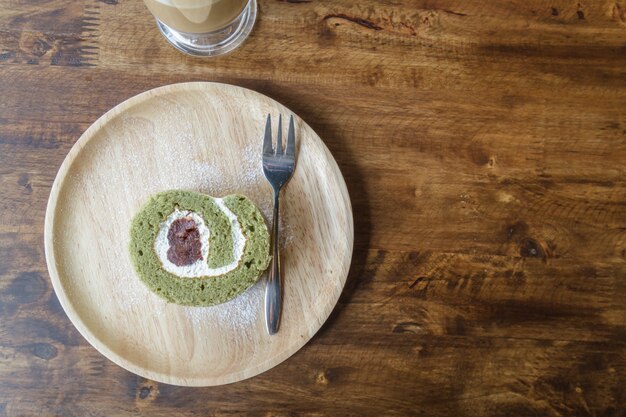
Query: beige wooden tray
pixel 204 137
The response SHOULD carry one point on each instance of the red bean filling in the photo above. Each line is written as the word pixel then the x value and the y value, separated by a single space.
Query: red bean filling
pixel 184 238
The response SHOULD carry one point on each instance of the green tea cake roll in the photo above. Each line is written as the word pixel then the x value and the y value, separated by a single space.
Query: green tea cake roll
pixel 197 250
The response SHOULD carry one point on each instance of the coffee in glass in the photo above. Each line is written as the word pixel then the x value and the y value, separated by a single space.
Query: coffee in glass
pixel 204 27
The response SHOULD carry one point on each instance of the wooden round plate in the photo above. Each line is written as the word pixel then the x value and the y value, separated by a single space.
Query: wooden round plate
pixel 205 137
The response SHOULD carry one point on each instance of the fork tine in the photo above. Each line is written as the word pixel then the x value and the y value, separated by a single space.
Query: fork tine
pixel 267 139
pixel 291 139
pixel 279 136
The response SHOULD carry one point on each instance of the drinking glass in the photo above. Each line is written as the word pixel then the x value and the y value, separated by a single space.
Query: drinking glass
pixel 204 27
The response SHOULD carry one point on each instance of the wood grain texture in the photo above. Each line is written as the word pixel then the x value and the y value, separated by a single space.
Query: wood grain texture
pixel 484 148
pixel 203 137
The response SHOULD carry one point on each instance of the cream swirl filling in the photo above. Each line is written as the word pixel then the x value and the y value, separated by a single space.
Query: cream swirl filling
pixel 199 268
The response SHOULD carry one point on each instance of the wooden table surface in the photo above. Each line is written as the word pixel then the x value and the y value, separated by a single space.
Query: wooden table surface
pixel 484 148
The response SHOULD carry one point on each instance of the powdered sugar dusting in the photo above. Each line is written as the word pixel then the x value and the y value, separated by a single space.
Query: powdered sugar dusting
pixel 238 313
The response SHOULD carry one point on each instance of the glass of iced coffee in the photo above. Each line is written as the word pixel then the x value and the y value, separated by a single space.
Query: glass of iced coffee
pixel 204 27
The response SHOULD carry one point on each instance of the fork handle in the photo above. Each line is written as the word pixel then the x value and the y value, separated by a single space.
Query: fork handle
pixel 273 289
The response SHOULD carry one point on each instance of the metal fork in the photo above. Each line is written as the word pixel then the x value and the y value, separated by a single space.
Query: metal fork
pixel 278 166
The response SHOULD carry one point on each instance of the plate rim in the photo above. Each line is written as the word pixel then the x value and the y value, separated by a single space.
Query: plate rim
pixel 75 318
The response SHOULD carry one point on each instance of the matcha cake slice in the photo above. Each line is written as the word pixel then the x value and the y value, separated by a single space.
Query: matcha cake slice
pixel 197 250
